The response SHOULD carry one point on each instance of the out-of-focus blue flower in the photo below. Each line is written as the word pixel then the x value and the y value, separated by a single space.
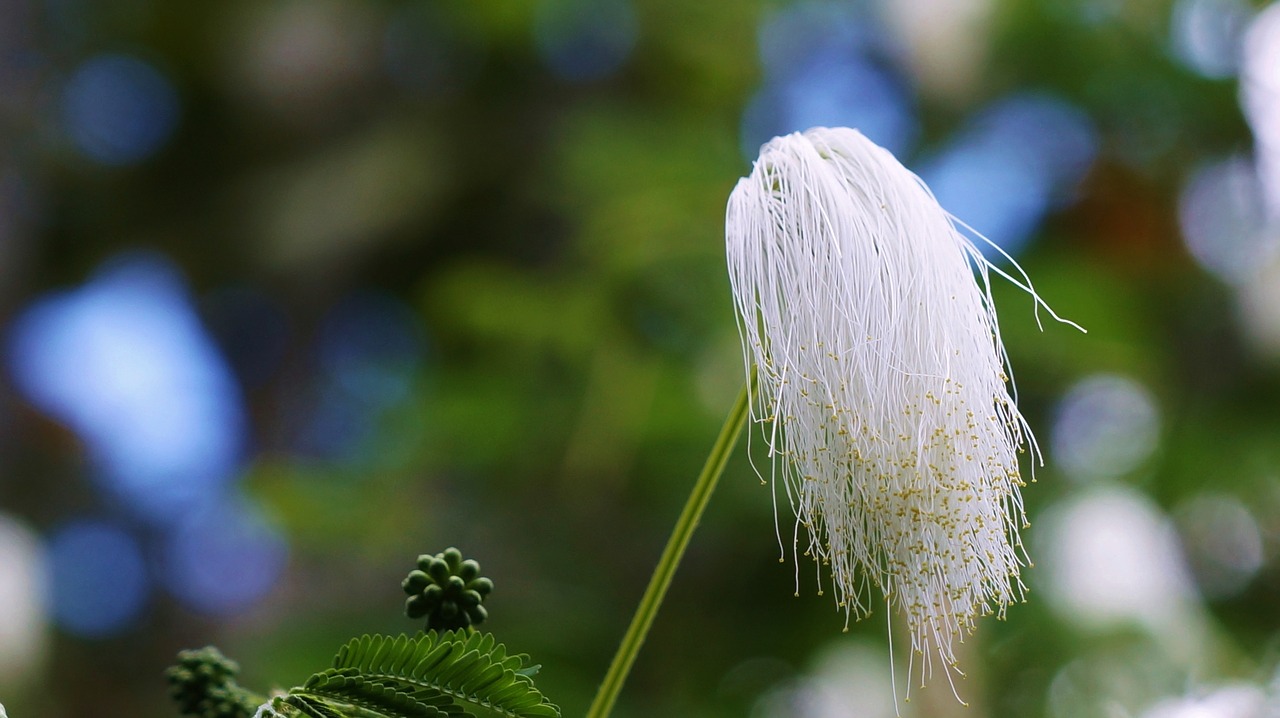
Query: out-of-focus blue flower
pixel 118 109
pixel 369 352
pixel 125 363
pixel 825 66
pixel 585 40
pixel 224 558
pixel 1016 160
pixel 99 578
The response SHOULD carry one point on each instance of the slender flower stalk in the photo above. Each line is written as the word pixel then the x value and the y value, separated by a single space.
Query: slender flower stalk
pixel 660 581
pixel 883 386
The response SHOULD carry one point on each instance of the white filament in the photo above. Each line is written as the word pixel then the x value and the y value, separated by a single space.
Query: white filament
pixel 882 384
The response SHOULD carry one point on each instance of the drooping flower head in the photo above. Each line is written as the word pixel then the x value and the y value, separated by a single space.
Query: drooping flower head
pixel 882 383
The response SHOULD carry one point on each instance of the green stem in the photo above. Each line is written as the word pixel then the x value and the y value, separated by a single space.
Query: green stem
pixel 671 556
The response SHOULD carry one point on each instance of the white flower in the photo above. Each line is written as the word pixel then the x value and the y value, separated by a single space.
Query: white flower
pixel 882 384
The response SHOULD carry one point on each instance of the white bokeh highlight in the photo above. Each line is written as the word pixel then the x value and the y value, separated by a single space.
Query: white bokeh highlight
pixel 1258 306
pixel 1223 543
pixel 1260 98
pixel 24 633
pixel 1223 214
pixel 845 674
pixel 1106 426
pixel 1112 560
pixel 1206 35
pixel 1237 700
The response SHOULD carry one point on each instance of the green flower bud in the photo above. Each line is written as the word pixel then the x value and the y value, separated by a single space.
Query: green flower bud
pixel 447 590
pixel 453 557
pixel 203 685
pixel 416 581
pixel 417 606
pixel 439 570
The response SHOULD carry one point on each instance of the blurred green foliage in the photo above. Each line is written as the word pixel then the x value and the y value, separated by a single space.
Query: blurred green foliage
pixel 562 245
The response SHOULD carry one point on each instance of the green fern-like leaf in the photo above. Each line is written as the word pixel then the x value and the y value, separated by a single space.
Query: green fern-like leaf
pixel 368 699
pixel 301 703
pixel 397 673
pixel 349 684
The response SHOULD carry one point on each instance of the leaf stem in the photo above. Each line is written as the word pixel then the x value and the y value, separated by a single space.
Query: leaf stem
pixel 671 555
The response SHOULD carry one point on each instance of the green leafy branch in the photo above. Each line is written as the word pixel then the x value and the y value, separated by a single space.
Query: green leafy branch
pixel 439 673
pixel 430 674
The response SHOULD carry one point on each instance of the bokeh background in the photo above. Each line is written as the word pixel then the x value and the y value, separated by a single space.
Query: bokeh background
pixel 293 291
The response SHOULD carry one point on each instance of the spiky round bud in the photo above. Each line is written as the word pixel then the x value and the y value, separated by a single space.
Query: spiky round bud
pixel 446 590
pixel 203 685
